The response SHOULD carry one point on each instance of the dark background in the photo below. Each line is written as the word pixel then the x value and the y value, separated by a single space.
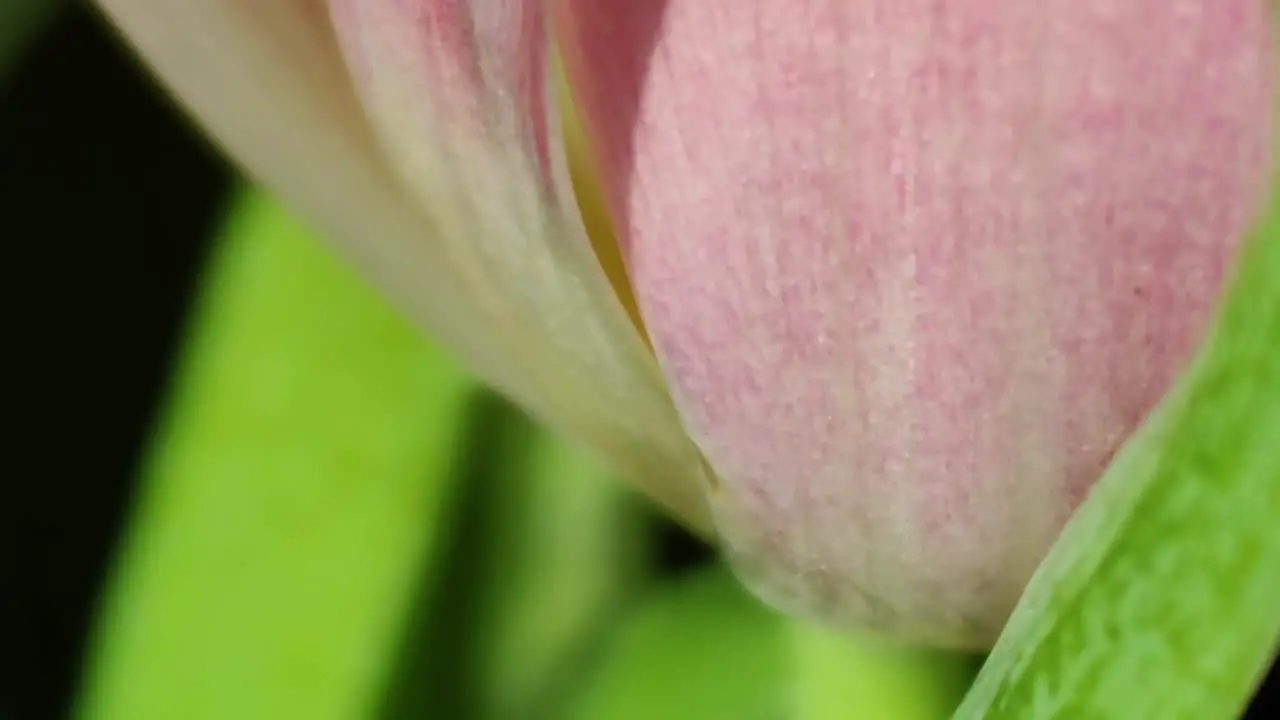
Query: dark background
pixel 108 199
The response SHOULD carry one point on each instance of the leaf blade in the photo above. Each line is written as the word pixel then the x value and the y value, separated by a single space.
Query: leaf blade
pixel 289 500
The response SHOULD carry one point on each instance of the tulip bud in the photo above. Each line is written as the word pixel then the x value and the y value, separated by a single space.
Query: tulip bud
pixel 916 269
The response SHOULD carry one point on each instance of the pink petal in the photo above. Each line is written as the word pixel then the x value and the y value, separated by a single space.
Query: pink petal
pixel 450 198
pixel 917 268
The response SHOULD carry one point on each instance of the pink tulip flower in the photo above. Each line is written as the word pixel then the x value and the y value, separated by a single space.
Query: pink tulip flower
pixel 908 272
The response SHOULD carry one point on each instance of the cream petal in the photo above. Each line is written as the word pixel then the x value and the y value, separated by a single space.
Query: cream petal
pixel 439 199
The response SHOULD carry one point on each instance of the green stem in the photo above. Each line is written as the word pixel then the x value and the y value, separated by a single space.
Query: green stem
pixel 844 677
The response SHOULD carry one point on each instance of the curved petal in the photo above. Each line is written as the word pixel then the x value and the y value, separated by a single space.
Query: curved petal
pixel 915 269
pixel 476 247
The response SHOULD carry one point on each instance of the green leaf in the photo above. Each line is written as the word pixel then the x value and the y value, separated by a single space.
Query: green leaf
pixel 866 677
pixel 291 501
pixel 546 545
pixel 568 547
pixel 1161 599
pixel 699 648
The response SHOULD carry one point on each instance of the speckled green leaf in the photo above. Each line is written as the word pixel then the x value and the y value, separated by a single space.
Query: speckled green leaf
pixel 290 501
pixel 1162 597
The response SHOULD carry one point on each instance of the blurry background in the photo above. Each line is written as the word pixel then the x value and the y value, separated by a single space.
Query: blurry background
pixel 108 204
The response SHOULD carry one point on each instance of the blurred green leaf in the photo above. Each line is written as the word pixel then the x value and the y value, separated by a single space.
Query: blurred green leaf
pixel 293 496
pixel 865 677
pixel 1162 597
pixel 568 548
pixel 545 545
pixel 20 23
pixel 699 648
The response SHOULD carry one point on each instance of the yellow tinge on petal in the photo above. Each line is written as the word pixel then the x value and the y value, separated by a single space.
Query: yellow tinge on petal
pixel 590 196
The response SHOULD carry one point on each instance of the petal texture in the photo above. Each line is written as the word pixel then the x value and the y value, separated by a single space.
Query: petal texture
pixel 450 198
pixel 916 268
